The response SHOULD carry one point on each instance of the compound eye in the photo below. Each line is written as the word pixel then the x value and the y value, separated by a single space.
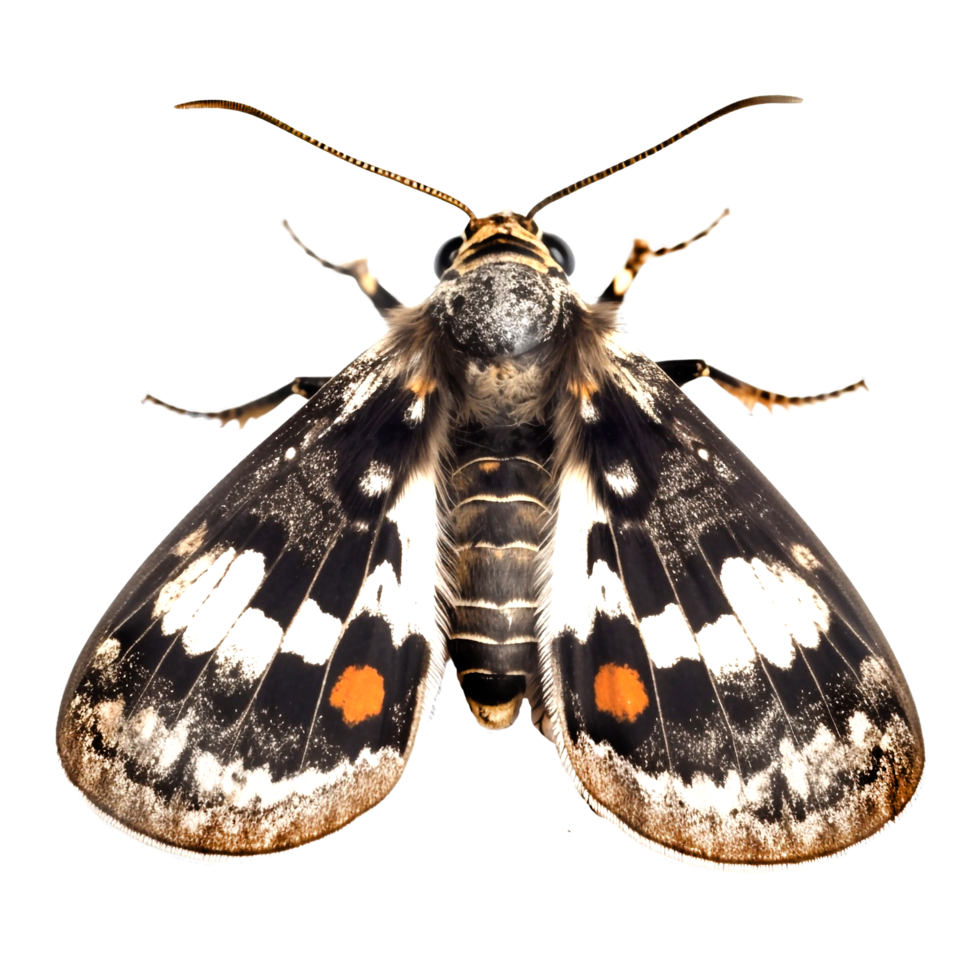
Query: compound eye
pixel 560 252
pixel 447 254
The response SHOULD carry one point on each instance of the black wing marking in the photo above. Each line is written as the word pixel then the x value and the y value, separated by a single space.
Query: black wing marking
pixel 713 680
pixel 259 681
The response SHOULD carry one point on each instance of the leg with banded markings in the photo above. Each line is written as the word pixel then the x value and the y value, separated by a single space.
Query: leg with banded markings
pixel 681 372
pixel 306 387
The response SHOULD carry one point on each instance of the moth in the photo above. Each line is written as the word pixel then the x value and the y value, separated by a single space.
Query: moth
pixel 502 482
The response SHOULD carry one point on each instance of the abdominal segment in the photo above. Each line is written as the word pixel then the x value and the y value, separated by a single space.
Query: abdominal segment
pixel 499 499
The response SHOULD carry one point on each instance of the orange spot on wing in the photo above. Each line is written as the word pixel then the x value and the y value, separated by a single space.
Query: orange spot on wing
pixel 489 466
pixel 359 693
pixel 582 388
pixel 422 386
pixel 620 692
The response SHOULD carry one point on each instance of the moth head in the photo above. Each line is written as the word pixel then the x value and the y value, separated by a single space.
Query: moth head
pixel 503 287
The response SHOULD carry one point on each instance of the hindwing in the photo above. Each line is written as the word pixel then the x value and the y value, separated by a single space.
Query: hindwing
pixel 259 681
pixel 713 681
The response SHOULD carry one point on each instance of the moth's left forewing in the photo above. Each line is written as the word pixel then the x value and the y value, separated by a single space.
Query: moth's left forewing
pixel 260 680
pixel 713 680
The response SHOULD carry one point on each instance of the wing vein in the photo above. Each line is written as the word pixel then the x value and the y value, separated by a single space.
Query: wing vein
pixel 179 635
pixel 797 646
pixel 343 629
pixel 704 663
pixel 629 376
pixel 653 672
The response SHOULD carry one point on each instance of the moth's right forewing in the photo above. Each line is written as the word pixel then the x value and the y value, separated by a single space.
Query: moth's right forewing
pixel 259 681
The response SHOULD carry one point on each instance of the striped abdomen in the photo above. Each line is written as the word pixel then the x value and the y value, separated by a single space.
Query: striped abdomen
pixel 499 512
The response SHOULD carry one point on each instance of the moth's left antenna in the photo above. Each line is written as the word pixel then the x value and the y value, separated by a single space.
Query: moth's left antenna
pixel 241 107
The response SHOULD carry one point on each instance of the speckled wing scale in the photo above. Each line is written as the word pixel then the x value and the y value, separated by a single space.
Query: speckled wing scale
pixel 502 482
pixel 259 682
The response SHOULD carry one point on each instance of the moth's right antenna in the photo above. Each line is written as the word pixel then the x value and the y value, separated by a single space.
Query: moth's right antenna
pixel 408 182
pixel 579 184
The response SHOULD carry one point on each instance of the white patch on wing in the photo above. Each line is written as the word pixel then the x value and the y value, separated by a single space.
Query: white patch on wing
pixel 860 727
pixel 804 556
pixel 775 607
pixel 236 786
pixel 408 606
pixel 216 615
pixel 575 596
pixel 189 544
pixel 725 647
pixel 376 480
pixel 145 738
pixel 622 479
pixel 180 598
pixel 312 634
pixel 743 586
pixel 668 638
pixel 106 653
pixel 380 597
pixel 802 609
pixel 251 644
